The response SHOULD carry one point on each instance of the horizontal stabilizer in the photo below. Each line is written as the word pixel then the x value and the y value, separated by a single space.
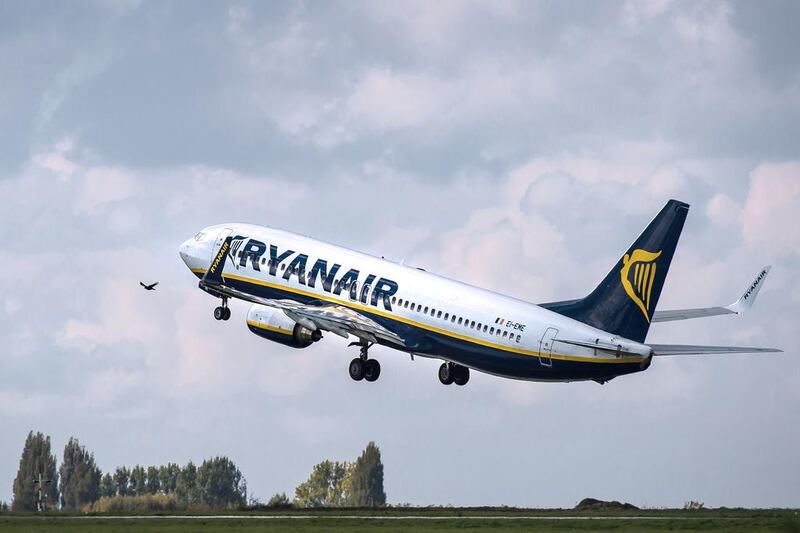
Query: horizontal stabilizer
pixel 738 307
pixel 688 349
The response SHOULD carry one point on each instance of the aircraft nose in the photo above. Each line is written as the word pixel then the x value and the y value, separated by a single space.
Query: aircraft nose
pixel 185 250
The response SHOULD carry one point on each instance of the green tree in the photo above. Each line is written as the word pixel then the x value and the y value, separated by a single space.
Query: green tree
pixel 168 477
pixel 153 484
pixel 108 487
pixel 36 457
pixel 186 485
pixel 365 487
pixel 80 477
pixel 122 478
pixel 279 501
pixel 220 483
pixel 138 481
pixel 325 487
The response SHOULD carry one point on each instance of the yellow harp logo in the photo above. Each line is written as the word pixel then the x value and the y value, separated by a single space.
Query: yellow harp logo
pixel 638 273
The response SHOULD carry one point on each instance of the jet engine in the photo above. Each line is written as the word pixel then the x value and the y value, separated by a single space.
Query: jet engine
pixel 273 324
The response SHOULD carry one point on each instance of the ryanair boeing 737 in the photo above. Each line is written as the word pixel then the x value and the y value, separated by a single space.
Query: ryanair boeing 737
pixel 301 287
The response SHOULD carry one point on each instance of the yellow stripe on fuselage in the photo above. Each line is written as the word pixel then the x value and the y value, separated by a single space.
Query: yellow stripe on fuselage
pixel 390 316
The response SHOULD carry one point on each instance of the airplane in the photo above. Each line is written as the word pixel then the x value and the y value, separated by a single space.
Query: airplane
pixel 150 287
pixel 300 287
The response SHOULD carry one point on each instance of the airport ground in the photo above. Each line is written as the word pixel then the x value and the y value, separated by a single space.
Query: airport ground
pixel 427 519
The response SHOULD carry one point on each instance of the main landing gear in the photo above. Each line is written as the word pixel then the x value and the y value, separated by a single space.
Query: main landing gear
pixel 362 367
pixel 453 373
pixel 222 312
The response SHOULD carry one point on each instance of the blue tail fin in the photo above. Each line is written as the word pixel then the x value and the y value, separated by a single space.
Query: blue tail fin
pixel 624 302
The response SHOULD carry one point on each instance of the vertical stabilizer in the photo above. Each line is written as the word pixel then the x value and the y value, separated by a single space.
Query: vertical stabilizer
pixel 624 302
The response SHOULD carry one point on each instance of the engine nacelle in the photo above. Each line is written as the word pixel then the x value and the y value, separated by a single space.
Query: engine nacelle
pixel 273 324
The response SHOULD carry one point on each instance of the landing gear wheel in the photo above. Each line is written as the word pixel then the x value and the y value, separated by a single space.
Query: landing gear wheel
pixel 372 370
pixel 357 369
pixel 446 374
pixel 226 313
pixel 462 375
pixel 219 313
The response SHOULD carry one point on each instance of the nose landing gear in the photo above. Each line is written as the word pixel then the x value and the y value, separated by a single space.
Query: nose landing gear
pixel 362 367
pixel 222 312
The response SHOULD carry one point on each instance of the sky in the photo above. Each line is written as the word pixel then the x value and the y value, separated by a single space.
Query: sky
pixel 518 146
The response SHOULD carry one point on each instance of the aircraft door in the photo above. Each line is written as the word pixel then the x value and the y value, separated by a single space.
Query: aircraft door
pixel 220 239
pixel 546 347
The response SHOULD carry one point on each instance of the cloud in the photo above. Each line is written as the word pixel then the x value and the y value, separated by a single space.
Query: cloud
pixel 770 211
pixel 383 99
pixel 723 210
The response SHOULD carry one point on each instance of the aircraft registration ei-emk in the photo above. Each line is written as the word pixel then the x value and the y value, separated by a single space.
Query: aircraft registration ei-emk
pixel 301 287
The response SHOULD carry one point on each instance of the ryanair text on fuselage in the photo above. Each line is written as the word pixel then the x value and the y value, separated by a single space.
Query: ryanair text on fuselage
pixel 253 250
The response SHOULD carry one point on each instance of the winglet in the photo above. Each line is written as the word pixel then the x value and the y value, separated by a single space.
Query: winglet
pixel 214 273
pixel 746 301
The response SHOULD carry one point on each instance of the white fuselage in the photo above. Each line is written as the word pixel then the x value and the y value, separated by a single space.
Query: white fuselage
pixel 440 317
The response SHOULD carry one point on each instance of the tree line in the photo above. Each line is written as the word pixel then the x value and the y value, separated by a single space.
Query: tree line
pixel 79 484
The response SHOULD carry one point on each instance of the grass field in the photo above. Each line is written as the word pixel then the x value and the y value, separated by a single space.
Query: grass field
pixel 737 520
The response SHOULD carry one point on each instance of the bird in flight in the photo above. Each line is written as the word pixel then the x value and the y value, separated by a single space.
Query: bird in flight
pixel 150 287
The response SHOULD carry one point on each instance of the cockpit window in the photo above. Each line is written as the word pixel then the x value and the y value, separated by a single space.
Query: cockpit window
pixel 199 236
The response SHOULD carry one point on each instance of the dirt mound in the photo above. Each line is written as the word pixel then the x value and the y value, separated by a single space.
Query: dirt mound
pixel 590 504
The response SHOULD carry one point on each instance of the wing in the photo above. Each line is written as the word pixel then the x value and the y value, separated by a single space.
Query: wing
pixel 689 349
pixel 738 307
pixel 337 319
pixel 153 286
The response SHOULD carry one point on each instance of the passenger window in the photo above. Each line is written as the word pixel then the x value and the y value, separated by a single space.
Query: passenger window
pixel 485 328
pixel 446 315
pixel 439 314
pixel 518 337
pixel 283 266
pixel 400 302
pixel 412 307
pixel 505 334
pixel 453 320
pixel 498 332
pixel 433 312
pixel 394 299
pixel 491 331
pixel 459 320
pixel 479 326
pixel 472 324
pixel 426 310
pixel 406 304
